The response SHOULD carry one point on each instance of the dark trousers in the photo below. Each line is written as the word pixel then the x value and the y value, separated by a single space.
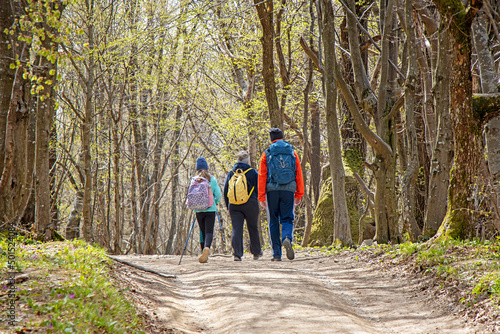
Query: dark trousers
pixel 248 211
pixel 206 221
pixel 280 210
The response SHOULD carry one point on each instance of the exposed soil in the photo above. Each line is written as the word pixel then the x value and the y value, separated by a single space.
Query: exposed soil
pixel 347 293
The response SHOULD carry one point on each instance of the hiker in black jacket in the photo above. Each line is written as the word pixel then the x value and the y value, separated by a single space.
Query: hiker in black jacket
pixel 247 209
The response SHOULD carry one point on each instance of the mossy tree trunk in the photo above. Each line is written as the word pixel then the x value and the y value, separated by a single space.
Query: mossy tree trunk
pixel 468 152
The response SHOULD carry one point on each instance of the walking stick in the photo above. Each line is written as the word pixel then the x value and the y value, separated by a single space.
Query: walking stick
pixel 185 245
pixel 221 230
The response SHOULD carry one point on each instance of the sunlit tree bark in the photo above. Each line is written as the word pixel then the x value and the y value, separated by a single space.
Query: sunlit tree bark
pixel 341 226
pixel 468 152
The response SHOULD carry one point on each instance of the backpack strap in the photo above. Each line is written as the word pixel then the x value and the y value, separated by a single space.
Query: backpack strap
pixel 240 171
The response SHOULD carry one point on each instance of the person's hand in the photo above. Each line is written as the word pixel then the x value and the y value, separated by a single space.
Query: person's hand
pixel 263 204
pixel 296 201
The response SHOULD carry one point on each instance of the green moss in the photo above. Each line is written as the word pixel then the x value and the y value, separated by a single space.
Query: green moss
pixel 428 233
pixel 353 159
pixel 322 228
pixel 455 226
pixel 339 244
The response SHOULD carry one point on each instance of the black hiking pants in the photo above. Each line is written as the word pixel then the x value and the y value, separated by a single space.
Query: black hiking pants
pixel 206 222
pixel 248 211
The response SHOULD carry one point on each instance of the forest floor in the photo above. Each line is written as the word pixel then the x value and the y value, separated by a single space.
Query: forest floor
pixel 346 293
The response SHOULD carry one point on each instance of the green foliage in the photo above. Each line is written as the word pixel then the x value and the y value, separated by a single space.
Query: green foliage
pixel 38 27
pixel 474 262
pixel 69 289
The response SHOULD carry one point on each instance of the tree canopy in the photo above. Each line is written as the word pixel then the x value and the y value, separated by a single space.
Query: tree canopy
pixel 106 104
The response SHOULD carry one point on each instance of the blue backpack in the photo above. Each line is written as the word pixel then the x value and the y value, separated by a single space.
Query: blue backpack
pixel 280 160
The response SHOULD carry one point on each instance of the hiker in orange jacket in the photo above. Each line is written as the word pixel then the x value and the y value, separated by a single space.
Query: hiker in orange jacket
pixel 281 188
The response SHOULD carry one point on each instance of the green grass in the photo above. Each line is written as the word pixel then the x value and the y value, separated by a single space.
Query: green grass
pixel 69 290
pixel 474 262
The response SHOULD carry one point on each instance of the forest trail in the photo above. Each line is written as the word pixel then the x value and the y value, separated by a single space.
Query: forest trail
pixel 311 294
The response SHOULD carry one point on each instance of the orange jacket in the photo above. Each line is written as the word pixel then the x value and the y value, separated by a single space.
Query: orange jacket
pixel 299 192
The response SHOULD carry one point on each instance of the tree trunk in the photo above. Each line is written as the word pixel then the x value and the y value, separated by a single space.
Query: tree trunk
pixel 342 226
pixel 386 214
pixel 468 151
pixel 86 226
pixel 425 55
pixel 489 85
pixel 487 73
pixel 265 11
pixel 307 157
pixel 175 183
pixel 366 96
pixel 137 233
pixel 492 134
pixel 43 226
pixel 442 150
pixel 315 152
pixel 25 156
pixel 10 87
pixel 353 144
pixel 54 193
pixel 117 198
pixel 407 200
pixel 6 73
pixel 45 106
pixel 74 219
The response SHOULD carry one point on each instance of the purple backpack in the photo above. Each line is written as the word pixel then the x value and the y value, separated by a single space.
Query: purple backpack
pixel 200 196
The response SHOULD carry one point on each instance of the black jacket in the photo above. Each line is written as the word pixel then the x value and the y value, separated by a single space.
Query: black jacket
pixel 252 180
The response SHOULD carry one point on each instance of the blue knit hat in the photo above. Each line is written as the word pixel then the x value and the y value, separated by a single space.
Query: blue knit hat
pixel 201 163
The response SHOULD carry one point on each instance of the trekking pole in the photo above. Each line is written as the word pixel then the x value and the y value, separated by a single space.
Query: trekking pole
pixel 189 234
pixel 221 231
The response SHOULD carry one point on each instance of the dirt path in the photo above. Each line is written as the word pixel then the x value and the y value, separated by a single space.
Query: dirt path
pixel 311 294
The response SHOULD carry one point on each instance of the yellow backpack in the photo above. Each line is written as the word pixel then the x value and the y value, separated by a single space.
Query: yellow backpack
pixel 237 188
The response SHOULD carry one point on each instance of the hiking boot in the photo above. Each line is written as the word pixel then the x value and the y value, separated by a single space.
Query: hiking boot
pixel 276 259
pixel 204 257
pixel 237 258
pixel 258 256
pixel 289 249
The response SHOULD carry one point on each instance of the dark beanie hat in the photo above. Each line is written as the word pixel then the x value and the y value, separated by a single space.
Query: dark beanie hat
pixel 201 163
pixel 275 133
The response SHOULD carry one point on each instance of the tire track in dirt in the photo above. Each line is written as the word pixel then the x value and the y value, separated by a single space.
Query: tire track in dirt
pixel 307 295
